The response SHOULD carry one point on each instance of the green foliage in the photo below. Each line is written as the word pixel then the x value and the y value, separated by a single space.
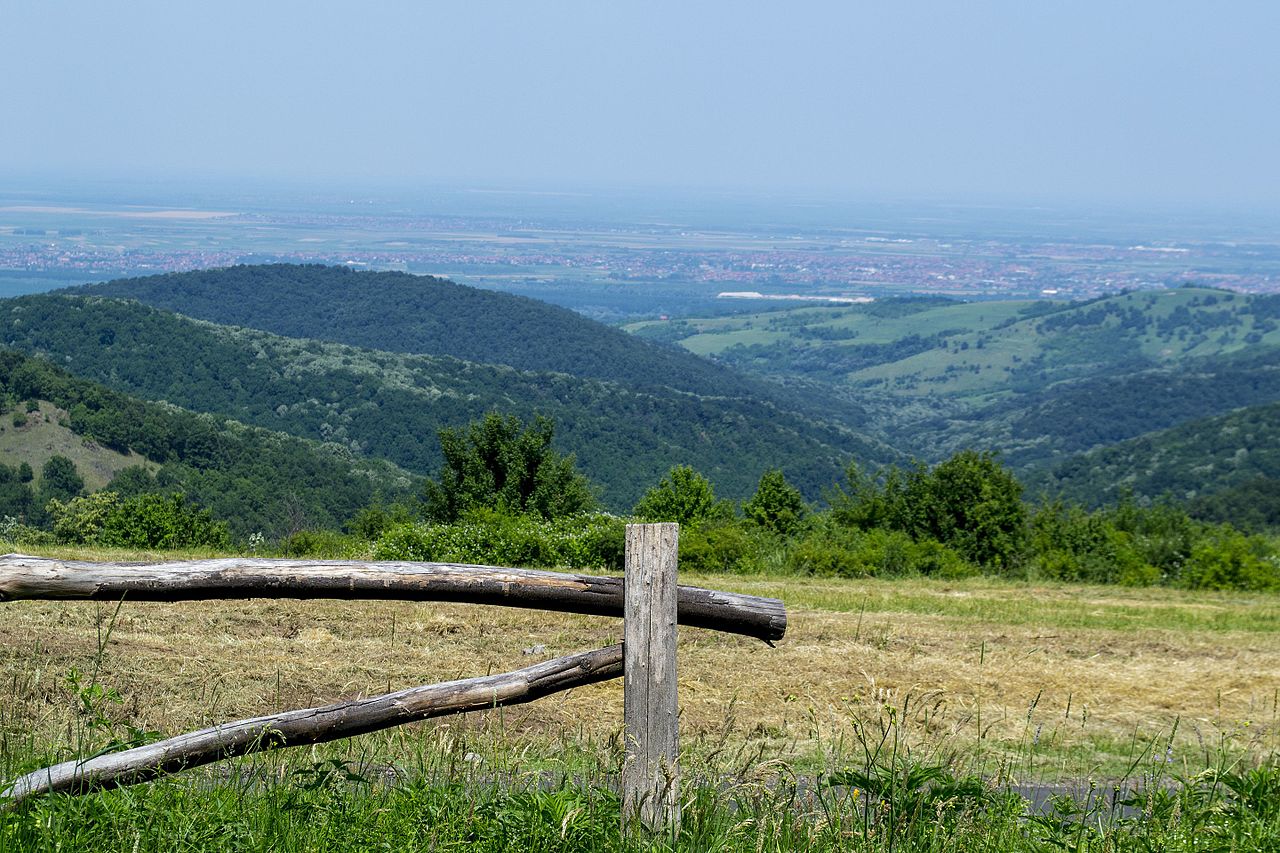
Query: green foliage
pixel 133 480
pixel 1228 559
pixel 500 464
pixel 777 505
pixel 17 499
pixel 969 503
pixel 81 520
pixel 372 521
pixel 321 544
pixel 486 537
pixel 719 546
pixel 1071 544
pixel 59 479
pixel 255 479
pixel 141 521
pixel 839 551
pixel 683 496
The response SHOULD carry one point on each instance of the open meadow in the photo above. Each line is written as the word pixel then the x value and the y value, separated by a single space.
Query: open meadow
pixel 1043 687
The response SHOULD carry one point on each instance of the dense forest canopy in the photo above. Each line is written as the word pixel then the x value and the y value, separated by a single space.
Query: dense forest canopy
pixel 399 312
pixel 392 405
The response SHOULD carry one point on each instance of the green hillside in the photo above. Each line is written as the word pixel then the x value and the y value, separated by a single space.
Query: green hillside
pixel 391 405
pixel 1237 452
pixel 34 437
pixel 1034 380
pixel 256 479
pixel 398 312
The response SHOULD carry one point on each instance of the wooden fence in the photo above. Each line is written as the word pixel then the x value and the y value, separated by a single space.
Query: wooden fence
pixel 647 597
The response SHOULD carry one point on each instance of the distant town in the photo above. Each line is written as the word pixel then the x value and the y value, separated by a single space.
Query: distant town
pixel 48 246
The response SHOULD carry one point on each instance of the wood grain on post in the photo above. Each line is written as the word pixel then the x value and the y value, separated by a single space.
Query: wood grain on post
pixel 650 771
pixel 24 577
pixel 317 725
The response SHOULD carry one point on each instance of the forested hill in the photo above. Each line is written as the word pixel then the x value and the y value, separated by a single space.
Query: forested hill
pixel 1035 380
pixel 255 479
pixel 391 405
pixel 398 312
pixel 1228 466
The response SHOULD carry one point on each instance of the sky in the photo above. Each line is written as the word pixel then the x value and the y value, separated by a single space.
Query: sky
pixel 1157 102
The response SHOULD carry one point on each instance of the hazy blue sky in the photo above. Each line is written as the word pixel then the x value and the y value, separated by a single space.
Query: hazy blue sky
pixel 1142 101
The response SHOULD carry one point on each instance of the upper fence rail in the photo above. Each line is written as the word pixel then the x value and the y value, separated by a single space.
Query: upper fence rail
pixel 24 577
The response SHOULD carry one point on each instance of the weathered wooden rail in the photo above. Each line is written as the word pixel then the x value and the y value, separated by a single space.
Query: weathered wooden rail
pixel 318 725
pixel 23 577
pixel 647 596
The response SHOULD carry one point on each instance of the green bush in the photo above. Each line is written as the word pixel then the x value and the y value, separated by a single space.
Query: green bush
pixel 142 521
pixel 838 551
pixel 1072 544
pixel 719 547
pixel 17 533
pixel 321 544
pixel 163 521
pixel 970 503
pixel 777 505
pixel 486 537
pixel 501 464
pixel 683 496
pixel 80 520
pixel 373 521
pixel 1228 559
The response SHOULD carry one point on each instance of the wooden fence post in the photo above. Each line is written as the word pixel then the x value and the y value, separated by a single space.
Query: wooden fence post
pixel 650 771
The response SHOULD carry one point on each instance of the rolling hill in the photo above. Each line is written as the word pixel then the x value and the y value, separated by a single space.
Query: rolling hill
pixel 391 405
pixel 423 315
pixel 257 480
pixel 1234 454
pixel 1035 380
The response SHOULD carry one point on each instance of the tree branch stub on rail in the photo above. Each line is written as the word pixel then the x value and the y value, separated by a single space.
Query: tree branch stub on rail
pixel 26 577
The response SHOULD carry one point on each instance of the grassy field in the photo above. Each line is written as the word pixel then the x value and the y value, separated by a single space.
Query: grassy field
pixel 43 435
pixel 984 343
pixel 1017 684
pixel 1090 668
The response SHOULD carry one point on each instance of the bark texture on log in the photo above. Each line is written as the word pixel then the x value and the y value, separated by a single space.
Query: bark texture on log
pixel 318 725
pixel 24 577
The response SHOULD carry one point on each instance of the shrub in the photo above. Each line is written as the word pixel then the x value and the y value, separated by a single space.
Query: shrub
pixel 486 537
pixel 969 503
pixel 1228 559
pixel 498 463
pixel 839 551
pixel 718 547
pixel 1072 544
pixel 321 544
pixel 163 521
pixel 372 521
pixel 683 496
pixel 142 521
pixel 777 505
pixel 81 519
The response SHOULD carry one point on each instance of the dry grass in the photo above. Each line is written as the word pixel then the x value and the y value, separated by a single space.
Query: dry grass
pixel 1095 666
